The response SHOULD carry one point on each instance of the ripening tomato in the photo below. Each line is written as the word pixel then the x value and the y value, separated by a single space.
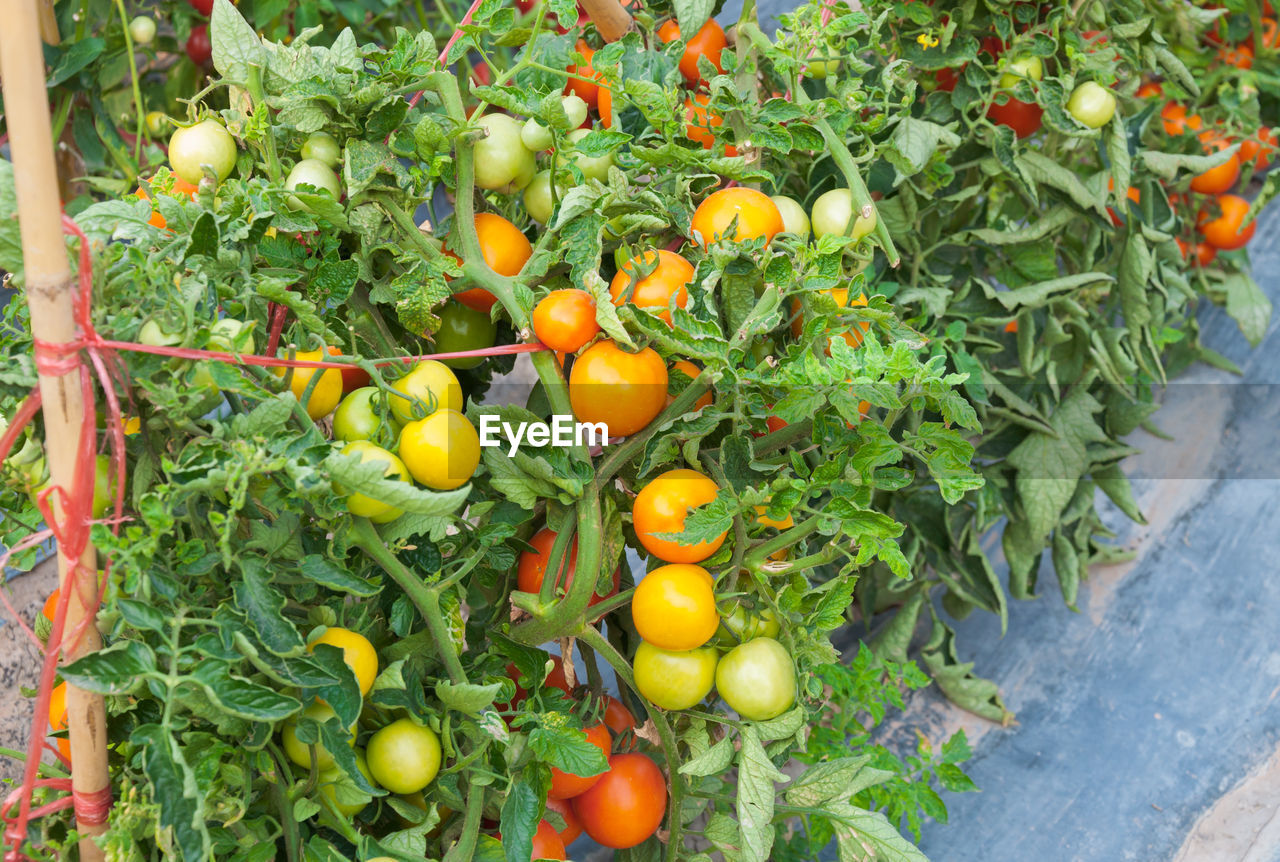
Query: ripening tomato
pixel 708 42
pixel 565 319
pixel 193 147
pixel 756 215
pixel 328 390
pixel 626 806
pixel 617 717
pixel 463 328
pixel 430 386
pixel 58 718
pixel 853 336
pixel 504 248
pixel 1227 231
pixel 1259 149
pixel 1218 179
pixel 700 120
pixel 441 451
pixel 1150 90
pixel 832 213
pixel 572 825
pixel 180 189
pixel 794 219
pixel 1204 253
pixel 691 371
pixel 566 785
pixel 1177 121
pixel 604 106
pixel 1240 56
pixel 199 48
pixel 587 90
pixel 362 505
pixel 661 507
pixel 298 751
pixel 532 569
pixel 674 680
pixel 502 162
pixel 650 280
pixel 674 607
pixel 404 757
pixel 1023 117
pixel 357 652
pixel 757 679
pixel 51 605
pixel 624 391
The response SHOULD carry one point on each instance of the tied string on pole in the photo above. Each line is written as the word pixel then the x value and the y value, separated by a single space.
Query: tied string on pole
pixel 72 530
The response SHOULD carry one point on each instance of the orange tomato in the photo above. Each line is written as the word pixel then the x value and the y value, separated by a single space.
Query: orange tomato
pixel 674 606
pixel 604 106
pixel 708 42
pixel 1259 149
pixel 625 391
pixel 661 507
pixel 566 785
pixel 1150 90
pixel 1227 231
pixel 1240 56
pixel 532 569
pixel 1011 326
pixel 1270 33
pixel 58 717
pixel 668 275
pixel 691 371
pixel 589 90
pixel 572 825
pixel 181 188
pixel 1177 121
pixel 756 215
pixel 1204 253
pixel 1132 194
pixel 1220 179
pixel 505 249
pixel 627 805
pixel 701 120
pixel 564 320
pixel 51 605
pixel 853 336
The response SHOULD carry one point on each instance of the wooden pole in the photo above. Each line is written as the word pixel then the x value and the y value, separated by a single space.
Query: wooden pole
pixel 610 18
pixel 50 289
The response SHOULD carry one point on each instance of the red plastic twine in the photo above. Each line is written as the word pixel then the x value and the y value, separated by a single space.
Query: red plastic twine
pixel 72 530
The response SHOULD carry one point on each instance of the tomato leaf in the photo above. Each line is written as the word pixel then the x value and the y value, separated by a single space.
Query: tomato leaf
pixel 756 778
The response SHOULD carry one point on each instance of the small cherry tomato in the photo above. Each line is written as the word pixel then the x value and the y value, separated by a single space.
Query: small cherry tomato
pixel 1204 253
pixel 1177 121
pixel 142 30
pixel 661 507
pixel 441 451
pixel 624 391
pixel 565 319
pixel 357 652
pixel 794 219
pixel 1240 56
pixel 1218 179
pixel 650 280
pixel 322 147
pixel 756 215
pixel 700 120
pixel 1092 104
pixel 204 7
pixel 463 328
pixel 832 213
pixel 674 680
pixel 299 752
pixel 1030 68
pixel 592 167
pixel 1150 90
pixel 404 757
pixel 709 42
pixel 852 336
pixel 742 625
pixel 325 395
pixel 757 679
pixel 626 806
pixel 364 506
pixel 1259 149
pixel 1227 231
pixel 430 386
pixel 502 162
pixel 199 48
pixel 566 785
pixel 205 143
pixel 674 607
pixel 538 200
pixel 1023 117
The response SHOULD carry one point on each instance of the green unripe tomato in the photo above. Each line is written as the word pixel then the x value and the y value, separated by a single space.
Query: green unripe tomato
pixel 592 167
pixel 536 136
pixel 224 335
pixel 794 218
pixel 153 334
pixel 363 506
pixel 819 69
pixel 674 680
pixel 157 123
pixel 575 109
pixel 502 162
pixel 357 417
pixel 404 757
pixel 322 147
pixel 463 328
pixel 833 210
pixel 742 625
pixel 142 30
pixel 205 143
pixel 1092 104
pixel 299 752
pixel 1022 67
pixel 312 172
pixel 328 787
pixel 757 679
pixel 538 202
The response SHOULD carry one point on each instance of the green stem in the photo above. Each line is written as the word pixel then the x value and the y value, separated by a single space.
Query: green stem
pixel 274 171
pixel 287 821
pixel 563 618
pixel 760 553
pixel 633 444
pixel 425 598
pixel 137 91
pixel 466 846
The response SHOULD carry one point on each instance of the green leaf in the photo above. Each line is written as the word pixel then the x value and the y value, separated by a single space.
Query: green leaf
pixel 841 778
pixel 369 478
pixel 175 791
pixel 467 698
pixel 691 15
pixel 713 761
pixel 756 778
pixel 240 697
pixel 114 670
pixel 1248 306
pixel 566 748
pixel 10 238
pixel 263 608
pixel 868 836
pixel 236 46
pixel 519 821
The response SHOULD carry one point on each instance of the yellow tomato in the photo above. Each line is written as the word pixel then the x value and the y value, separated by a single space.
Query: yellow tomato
pixel 430 382
pixel 328 389
pixel 441 451
pixel 357 652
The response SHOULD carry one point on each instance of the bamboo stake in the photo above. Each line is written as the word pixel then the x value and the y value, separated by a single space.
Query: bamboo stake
pixel 49 23
pixel 610 18
pixel 50 290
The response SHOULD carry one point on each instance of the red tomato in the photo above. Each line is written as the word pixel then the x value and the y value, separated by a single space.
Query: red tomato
pixel 1241 56
pixel 1204 253
pixel 199 48
pixel 1227 231
pixel 1259 149
pixel 617 717
pixel 1217 180
pixel 625 806
pixel 1150 90
pixel 589 90
pixel 204 7
pixel 572 825
pixel 1023 117
pixel 353 378
pixel 1177 121
pixel 708 42
pixel 547 843
pixel 533 566
pixel 565 785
